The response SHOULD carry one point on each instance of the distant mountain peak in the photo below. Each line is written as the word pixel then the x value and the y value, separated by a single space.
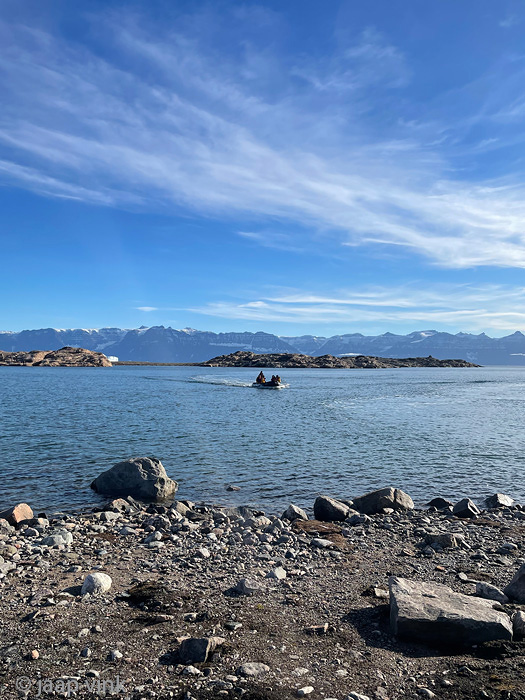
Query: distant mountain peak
pixel 424 334
pixel 166 344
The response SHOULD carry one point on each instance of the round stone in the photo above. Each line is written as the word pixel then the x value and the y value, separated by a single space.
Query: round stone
pixel 96 583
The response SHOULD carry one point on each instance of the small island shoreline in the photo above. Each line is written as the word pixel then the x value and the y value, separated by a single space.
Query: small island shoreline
pixel 294 360
pixel 79 357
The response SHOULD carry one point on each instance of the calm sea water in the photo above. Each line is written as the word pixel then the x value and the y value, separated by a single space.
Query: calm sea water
pixel 447 432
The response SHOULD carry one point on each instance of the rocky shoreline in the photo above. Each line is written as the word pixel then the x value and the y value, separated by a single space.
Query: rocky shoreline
pixel 288 360
pixel 183 600
pixel 65 357
pixel 79 357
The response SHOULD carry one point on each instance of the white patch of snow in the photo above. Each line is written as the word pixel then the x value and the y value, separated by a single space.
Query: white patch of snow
pixel 231 345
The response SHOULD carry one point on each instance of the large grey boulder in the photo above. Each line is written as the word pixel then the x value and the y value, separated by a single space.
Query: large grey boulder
pixel 434 614
pixel 293 512
pixel 389 497
pixel 516 588
pixel 143 477
pixel 328 509
pixel 96 583
pixel 196 650
pixel 466 509
pixel 499 500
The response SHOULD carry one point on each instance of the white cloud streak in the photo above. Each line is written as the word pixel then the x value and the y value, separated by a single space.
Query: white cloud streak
pixel 167 125
pixel 488 307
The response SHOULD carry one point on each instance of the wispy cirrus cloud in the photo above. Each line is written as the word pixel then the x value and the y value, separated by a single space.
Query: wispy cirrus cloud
pixel 370 60
pixel 486 307
pixel 509 21
pixel 165 123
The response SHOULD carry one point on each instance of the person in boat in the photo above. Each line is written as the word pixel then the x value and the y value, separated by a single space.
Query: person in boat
pixel 261 379
pixel 275 380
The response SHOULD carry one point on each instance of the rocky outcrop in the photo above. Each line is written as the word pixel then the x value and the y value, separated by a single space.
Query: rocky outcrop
pixel 328 509
pixel 65 357
pixel 293 360
pixel 389 497
pixel 434 614
pixel 143 477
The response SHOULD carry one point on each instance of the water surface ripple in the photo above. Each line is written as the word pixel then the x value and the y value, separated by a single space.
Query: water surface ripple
pixel 447 432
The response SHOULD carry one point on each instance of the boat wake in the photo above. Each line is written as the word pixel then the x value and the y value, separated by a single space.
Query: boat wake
pixel 224 381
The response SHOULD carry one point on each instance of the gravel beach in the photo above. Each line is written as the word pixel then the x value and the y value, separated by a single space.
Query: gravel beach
pixel 199 601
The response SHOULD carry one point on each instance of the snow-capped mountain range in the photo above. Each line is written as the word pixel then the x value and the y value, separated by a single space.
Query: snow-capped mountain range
pixel 161 344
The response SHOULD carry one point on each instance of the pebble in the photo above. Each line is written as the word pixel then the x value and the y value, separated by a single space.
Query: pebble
pixel 251 669
pixel 248 586
pixel 115 655
pixel 232 626
pixel 191 671
pixel 278 573
pixel 317 629
pixel 96 583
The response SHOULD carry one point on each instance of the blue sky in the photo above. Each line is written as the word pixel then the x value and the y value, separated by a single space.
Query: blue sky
pixel 296 167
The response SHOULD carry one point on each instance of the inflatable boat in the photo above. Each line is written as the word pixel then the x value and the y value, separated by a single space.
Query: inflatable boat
pixel 268 385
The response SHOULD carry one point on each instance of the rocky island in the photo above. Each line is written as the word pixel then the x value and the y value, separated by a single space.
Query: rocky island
pixel 360 598
pixel 65 357
pixel 294 360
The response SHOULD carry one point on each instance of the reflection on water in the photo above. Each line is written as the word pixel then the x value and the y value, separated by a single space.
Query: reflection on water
pixel 448 432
